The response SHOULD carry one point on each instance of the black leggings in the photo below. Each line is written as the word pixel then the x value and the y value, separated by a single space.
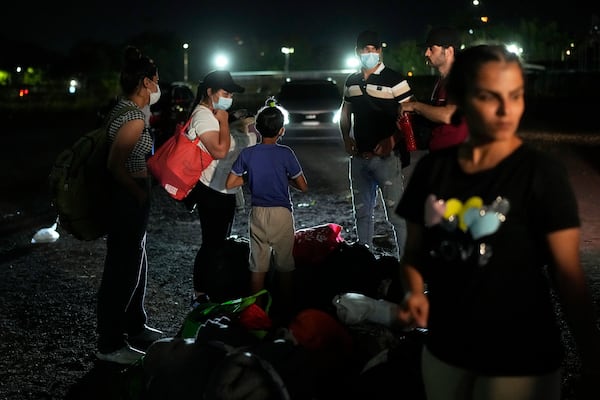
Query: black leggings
pixel 123 287
pixel 216 211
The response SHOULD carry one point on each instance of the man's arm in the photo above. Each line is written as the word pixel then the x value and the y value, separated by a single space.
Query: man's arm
pixel 345 124
pixel 436 114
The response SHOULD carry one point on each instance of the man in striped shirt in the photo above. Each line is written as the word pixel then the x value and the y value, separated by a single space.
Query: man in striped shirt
pixel 367 124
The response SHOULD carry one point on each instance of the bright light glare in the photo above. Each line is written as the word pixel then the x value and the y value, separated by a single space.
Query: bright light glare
pixel 73 85
pixel 286 115
pixel 514 48
pixel 221 61
pixel 352 62
pixel 336 116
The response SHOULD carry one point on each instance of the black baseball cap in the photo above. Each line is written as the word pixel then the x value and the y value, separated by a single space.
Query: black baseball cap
pixel 368 38
pixel 443 36
pixel 221 79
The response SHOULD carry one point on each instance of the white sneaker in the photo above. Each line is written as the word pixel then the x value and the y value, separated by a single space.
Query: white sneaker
pixel 125 355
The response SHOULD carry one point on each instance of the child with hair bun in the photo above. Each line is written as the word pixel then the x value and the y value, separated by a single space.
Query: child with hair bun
pixel 270 169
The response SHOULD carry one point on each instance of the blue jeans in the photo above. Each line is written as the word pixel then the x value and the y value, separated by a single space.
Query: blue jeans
pixel 368 178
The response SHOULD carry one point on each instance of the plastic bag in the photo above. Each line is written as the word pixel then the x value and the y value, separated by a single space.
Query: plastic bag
pixel 354 308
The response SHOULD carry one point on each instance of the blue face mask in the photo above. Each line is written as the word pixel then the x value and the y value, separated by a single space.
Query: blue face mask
pixel 369 60
pixel 223 104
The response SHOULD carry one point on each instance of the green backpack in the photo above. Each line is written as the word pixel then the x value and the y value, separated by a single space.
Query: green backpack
pixel 79 184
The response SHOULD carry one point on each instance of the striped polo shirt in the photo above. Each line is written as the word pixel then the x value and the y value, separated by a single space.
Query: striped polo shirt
pixel 375 115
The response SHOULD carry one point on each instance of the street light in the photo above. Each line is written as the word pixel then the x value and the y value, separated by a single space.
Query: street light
pixel 185 61
pixel 221 61
pixel 287 51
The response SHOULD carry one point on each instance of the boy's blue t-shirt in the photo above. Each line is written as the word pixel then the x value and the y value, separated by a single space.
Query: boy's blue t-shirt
pixel 269 168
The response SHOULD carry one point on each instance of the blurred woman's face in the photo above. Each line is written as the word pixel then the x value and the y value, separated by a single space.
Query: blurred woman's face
pixel 496 101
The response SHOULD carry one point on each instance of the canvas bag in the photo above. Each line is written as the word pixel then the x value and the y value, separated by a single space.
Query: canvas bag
pixel 178 164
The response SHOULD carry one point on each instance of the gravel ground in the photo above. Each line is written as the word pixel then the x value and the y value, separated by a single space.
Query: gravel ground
pixel 47 291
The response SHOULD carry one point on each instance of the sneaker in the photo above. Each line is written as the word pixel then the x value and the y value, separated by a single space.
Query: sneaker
pixel 125 355
pixel 148 334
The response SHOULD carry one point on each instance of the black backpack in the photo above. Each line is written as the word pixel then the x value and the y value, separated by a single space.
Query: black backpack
pixel 224 269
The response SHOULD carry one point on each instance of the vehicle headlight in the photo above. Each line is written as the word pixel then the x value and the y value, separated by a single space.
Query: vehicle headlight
pixel 336 116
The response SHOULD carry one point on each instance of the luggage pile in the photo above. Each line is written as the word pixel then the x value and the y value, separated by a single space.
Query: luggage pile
pixel 342 341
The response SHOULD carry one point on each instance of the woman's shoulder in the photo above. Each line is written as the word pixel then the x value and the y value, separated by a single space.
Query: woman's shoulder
pixel 201 111
pixel 128 109
pixel 201 114
pixel 202 120
pixel 123 112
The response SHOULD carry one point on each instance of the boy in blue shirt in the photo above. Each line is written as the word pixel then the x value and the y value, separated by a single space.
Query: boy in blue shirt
pixel 270 169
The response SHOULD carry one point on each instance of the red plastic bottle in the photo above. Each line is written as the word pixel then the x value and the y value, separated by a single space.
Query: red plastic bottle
pixel 405 126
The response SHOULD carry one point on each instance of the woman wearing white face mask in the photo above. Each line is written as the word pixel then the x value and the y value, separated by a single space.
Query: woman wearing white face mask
pixel 215 204
pixel 120 312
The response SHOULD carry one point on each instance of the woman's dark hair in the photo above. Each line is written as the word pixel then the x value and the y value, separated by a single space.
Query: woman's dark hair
pixel 201 93
pixel 465 68
pixel 467 64
pixel 136 67
pixel 269 121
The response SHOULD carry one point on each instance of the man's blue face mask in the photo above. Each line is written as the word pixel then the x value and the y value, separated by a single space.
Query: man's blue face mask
pixel 369 60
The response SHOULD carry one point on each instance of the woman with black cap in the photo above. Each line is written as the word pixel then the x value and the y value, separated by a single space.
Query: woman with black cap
pixel 215 204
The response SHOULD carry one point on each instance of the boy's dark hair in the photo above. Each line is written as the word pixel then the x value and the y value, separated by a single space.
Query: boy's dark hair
pixel 269 121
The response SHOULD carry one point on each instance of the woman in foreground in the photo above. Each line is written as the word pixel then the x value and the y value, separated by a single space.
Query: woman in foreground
pixel 493 234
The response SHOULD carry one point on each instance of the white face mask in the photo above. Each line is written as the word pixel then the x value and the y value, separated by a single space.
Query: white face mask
pixel 154 96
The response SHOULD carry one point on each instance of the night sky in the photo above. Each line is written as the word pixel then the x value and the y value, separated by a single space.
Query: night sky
pixel 57 25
